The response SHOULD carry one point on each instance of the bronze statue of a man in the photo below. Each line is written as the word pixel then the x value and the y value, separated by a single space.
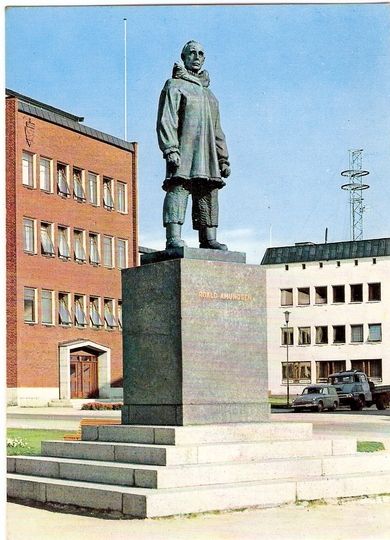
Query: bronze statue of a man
pixel 194 147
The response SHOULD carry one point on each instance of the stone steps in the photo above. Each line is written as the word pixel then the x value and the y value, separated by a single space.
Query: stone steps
pixel 153 454
pixel 142 503
pixel 150 471
pixel 156 477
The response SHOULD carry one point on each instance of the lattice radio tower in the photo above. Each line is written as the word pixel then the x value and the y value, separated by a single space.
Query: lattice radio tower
pixel 355 187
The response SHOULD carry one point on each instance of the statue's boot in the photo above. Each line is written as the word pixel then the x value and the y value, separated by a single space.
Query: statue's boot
pixel 208 239
pixel 173 234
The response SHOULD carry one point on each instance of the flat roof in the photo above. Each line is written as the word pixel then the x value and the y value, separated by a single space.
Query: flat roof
pixel 64 119
pixel 307 252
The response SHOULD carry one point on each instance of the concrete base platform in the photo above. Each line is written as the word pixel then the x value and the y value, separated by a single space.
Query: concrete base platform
pixel 151 471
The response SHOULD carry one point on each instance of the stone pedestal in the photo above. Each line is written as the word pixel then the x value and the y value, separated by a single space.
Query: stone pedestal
pixel 194 340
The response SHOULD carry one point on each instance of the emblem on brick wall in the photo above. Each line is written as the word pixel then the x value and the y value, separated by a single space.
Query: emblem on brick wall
pixel 29 130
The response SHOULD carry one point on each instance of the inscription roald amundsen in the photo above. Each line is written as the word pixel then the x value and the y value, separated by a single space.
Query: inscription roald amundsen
pixel 226 296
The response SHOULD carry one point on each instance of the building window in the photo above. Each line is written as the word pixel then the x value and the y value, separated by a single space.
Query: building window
pixel 28 177
pixel 303 266
pixel 286 266
pixel 304 335
pixel 321 335
pixel 62 180
pixel 29 235
pixel 338 294
pixel 109 319
pixel 287 336
pixel 78 185
pixel 122 253
pixel 321 264
pixel 80 318
pixel 45 174
pixel 120 314
pixel 338 264
pixel 63 242
pixel 339 334
pixel 121 197
pixel 321 295
pixel 108 199
pixel 303 296
pixel 64 317
pixel 357 292
pixel 372 368
pixel 94 312
pixel 94 257
pixel 356 333
pixel 79 246
pixel 356 262
pixel 30 305
pixel 107 251
pixel 299 372
pixel 93 191
pixel 47 307
pixel 375 332
pixel 47 245
pixel 286 297
pixel 374 292
pixel 326 368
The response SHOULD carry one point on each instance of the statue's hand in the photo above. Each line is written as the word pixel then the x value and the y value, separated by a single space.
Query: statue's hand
pixel 173 159
pixel 225 170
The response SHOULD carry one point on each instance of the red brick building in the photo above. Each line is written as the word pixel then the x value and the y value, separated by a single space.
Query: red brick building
pixel 71 226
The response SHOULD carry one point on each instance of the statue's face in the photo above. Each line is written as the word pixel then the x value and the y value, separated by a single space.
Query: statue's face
pixel 194 57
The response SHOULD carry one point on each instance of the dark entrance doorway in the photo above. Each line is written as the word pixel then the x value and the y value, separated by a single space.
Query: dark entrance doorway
pixel 83 376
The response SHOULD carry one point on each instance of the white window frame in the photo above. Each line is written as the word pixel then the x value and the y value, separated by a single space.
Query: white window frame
pixel 119 314
pixel 30 181
pixel 50 179
pixel 79 184
pixel 80 257
pixel 369 337
pixel 26 236
pixel 304 335
pixel 121 201
pixel 108 193
pixel 63 185
pixel 66 308
pixel 34 309
pixel 97 323
pixel 284 294
pixel 51 293
pixel 92 235
pixel 108 250
pixel 80 311
pixel 49 251
pixel 96 178
pixel 355 327
pixel 118 251
pixel 110 322
pixel 63 242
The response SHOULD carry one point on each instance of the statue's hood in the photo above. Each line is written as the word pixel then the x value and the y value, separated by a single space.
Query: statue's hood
pixel 180 72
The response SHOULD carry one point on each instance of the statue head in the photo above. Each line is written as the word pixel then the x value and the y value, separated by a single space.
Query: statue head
pixel 193 56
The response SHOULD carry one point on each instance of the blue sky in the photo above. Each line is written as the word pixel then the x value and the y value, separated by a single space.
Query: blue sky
pixel 298 86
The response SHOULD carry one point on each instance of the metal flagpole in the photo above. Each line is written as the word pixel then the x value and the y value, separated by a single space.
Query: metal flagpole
pixel 125 38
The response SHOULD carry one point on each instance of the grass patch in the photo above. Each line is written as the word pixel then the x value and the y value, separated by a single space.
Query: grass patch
pixel 32 438
pixel 277 400
pixel 369 446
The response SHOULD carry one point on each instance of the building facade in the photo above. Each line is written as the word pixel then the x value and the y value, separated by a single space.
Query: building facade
pixel 338 299
pixel 71 225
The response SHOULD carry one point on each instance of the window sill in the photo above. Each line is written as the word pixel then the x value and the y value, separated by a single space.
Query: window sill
pixel 48 325
pixel 30 253
pixel 373 342
pixel 64 259
pixel 79 261
pixel 373 301
pixel 46 192
pixel 30 323
pixel 339 343
pixel 48 255
pixel 320 344
pixel 28 187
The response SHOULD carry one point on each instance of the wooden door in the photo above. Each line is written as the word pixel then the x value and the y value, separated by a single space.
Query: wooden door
pixel 83 376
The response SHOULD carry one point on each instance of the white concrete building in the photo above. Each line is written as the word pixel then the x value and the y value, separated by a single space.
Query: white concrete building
pixel 338 299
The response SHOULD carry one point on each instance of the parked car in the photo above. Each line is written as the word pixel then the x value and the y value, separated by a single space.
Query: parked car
pixel 317 397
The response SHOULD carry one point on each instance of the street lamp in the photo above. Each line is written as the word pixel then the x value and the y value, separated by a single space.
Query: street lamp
pixel 287 318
